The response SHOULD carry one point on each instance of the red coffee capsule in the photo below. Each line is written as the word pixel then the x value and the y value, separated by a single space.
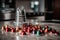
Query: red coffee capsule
pixel 23 33
pixel 20 31
pixel 28 28
pixel 24 30
pixel 56 34
pixel 6 29
pixel 6 26
pixel 46 30
pixel 9 29
pixel 12 30
pixel 41 31
pixel 33 28
pixel 39 27
pixel 50 33
pixel 28 31
pixel 17 28
pixel 36 27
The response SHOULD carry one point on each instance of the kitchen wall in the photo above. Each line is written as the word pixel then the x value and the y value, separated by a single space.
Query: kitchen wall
pixel 26 4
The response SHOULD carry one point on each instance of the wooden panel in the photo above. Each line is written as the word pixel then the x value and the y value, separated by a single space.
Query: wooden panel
pixel 56 9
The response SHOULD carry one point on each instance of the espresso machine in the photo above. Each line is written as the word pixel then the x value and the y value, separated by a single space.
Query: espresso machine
pixel 7 10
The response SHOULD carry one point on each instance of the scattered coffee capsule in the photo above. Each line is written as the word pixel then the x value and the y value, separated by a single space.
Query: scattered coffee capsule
pixel 6 29
pixel 20 31
pixel 39 27
pixel 53 31
pixel 33 28
pixel 12 30
pixel 56 34
pixel 49 29
pixel 38 33
pixel 50 33
pixel 28 28
pixel 17 28
pixel 36 27
pixel 23 33
pixel 2 28
pixel 41 31
pixel 24 30
pixel 9 30
pixel 46 30
pixel 28 31
pixel 6 26
pixel 33 32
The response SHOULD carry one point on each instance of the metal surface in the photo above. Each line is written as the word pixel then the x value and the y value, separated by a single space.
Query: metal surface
pixel 7 14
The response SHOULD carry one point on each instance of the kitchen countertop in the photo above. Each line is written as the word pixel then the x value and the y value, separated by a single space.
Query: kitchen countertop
pixel 16 36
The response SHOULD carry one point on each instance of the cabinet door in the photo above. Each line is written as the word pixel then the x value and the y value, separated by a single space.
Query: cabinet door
pixel 56 9
pixel 49 10
pixel 11 3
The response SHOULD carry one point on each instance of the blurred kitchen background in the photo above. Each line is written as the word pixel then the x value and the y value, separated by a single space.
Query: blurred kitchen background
pixel 39 10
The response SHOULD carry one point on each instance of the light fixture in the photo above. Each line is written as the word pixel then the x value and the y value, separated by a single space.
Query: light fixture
pixel 36 3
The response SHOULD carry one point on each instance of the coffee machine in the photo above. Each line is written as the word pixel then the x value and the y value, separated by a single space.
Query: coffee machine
pixel 7 9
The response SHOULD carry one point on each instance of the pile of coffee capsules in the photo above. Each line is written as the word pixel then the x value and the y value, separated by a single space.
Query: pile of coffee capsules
pixel 30 29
